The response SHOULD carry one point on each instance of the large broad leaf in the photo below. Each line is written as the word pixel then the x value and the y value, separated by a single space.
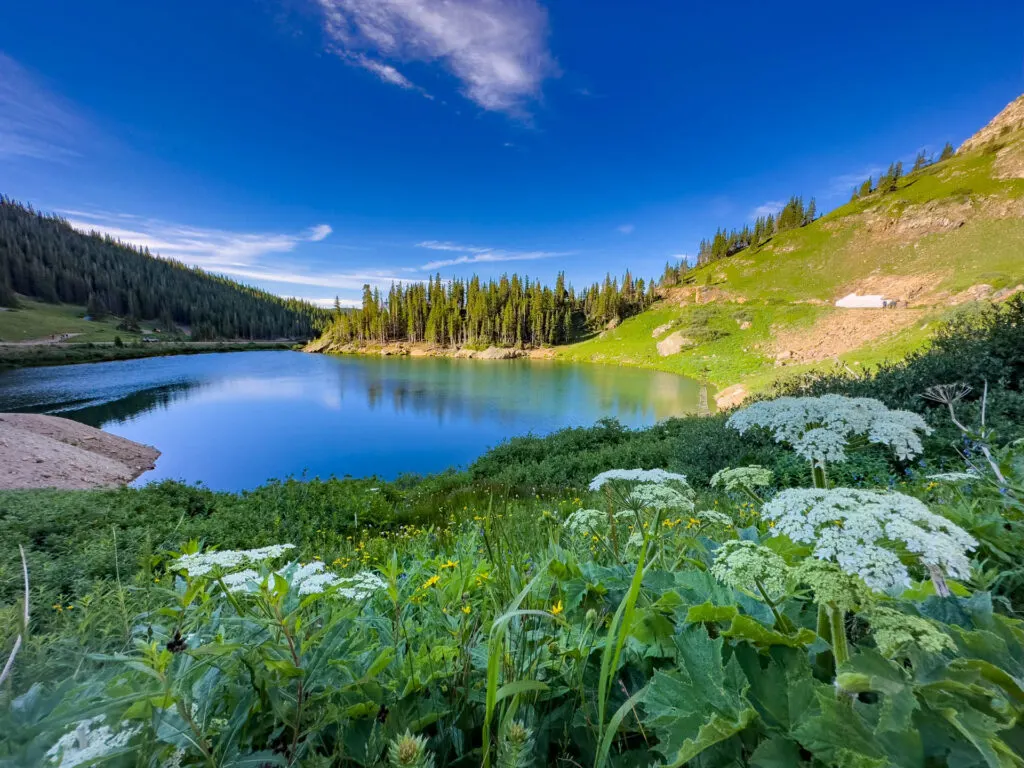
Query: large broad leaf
pixel 698 704
pixel 836 732
pixel 776 752
pixel 745 628
pixel 870 671
pixel 781 684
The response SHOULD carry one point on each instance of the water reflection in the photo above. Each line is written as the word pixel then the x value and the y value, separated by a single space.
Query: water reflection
pixel 234 420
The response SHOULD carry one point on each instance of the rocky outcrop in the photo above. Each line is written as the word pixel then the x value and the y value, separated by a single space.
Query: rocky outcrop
pixel 1010 119
pixel 674 344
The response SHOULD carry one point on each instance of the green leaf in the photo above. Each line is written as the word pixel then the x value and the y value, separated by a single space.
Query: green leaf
pixel 781 684
pixel 519 687
pixel 776 752
pixel 699 704
pixel 745 628
pixel 876 673
pixel 711 612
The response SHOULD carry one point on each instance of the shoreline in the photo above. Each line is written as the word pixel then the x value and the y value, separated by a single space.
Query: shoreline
pixel 424 349
pixel 14 356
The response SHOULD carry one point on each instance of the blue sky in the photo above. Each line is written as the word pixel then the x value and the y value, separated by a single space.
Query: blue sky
pixel 309 146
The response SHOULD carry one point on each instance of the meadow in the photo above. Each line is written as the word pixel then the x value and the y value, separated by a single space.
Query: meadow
pixel 827 578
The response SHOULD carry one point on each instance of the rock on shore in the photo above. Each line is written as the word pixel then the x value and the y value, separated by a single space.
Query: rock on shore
pixel 38 451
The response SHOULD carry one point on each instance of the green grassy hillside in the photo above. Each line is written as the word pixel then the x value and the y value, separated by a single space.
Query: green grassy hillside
pixel 950 236
pixel 36 321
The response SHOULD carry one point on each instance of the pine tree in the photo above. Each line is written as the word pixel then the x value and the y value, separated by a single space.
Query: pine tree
pixel 866 188
pixel 919 162
pixel 947 152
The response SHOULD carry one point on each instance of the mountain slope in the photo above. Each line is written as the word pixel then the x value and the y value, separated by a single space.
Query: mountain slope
pixel 949 235
pixel 44 258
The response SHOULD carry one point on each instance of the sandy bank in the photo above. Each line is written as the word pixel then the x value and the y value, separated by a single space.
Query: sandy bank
pixel 39 451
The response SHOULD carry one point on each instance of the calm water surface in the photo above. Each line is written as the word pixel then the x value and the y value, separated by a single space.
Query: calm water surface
pixel 234 420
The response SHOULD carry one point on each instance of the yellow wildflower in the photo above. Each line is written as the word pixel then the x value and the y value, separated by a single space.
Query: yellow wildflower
pixel 557 608
pixel 450 564
pixel 466 609
pixel 431 582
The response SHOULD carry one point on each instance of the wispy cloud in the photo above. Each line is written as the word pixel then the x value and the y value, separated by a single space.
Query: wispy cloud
pixel 626 229
pixel 259 257
pixel 844 183
pixel 496 48
pixel 385 72
pixel 771 207
pixel 34 123
pixel 475 254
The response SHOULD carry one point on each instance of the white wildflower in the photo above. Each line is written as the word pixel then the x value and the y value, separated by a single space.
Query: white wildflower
pixel 174 761
pixel 895 632
pixel 89 742
pixel 818 428
pixel 742 564
pixel 658 476
pixel 240 580
pixel 661 497
pixel 201 563
pixel 712 517
pixel 954 477
pixel 586 521
pixel 361 586
pixel 754 476
pixel 863 531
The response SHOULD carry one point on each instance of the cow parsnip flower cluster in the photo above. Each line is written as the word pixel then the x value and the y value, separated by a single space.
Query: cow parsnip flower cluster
pixel 202 563
pixel 895 632
pixel 831 585
pixel 658 476
pixel 742 564
pixel 740 478
pixel 89 742
pixel 661 497
pixel 310 579
pixel 712 517
pixel 864 532
pixel 819 428
pixel 586 521
pixel 953 477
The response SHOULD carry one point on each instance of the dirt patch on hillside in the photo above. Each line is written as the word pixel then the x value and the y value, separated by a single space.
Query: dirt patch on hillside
pixel 909 290
pixel 39 451
pixel 673 344
pixel 841 331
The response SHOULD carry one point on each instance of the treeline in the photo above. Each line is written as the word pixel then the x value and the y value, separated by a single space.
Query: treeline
pixel 44 258
pixel 725 243
pixel 510 311
pixel 888 181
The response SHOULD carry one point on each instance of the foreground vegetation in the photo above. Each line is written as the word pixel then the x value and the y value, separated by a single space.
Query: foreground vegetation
pixel 834 583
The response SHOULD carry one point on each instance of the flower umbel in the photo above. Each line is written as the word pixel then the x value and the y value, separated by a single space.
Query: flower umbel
pixel 864 532
pixel 658 476
pixel 819 428
pixel 743 564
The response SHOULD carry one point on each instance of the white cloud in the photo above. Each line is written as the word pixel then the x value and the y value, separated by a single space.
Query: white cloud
pixel 475 254
pixel 626 229
pixel 239 255
pixel 34 123
pixel 771 207
pixel 212 249
pixel 385 72
pixel 496 48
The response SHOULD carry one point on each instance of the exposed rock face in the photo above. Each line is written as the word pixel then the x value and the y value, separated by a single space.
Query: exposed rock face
pixel 660 330
pixel 730 397
pixel 499 353
pixel 673 344
pixel 1011 118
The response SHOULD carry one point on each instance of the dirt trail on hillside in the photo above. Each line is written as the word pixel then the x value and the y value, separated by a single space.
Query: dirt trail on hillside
pixel 38 451
pixel 841 331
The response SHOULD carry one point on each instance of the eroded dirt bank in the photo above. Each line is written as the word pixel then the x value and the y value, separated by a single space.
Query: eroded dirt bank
pixel 38 451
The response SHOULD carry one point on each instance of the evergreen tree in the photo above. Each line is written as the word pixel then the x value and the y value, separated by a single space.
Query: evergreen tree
pixel 947 152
